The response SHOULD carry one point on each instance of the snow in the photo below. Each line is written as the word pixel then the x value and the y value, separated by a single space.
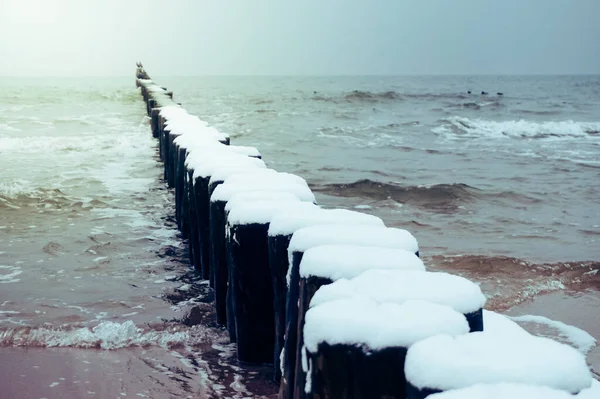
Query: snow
pixel 210 148
pixel 226 190
pixel 185 124
pixel 204 163
pixel 172 111
pixel 591 393
pixel 260 211
pixel 218 146
pixel 496 323
pixel 503 391
pixel 367 323
pixel 397 286
pixel 245 150
pixel 221 174
pixel 446 362
pixel 198 137
pixel 196 140
pixel 238 174
pixel 339 261
pixel 257 178
pixel 251 196
pixel 388 237
pixel 288 223
pixel 581 339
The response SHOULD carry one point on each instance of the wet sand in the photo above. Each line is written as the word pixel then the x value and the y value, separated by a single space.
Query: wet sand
pixel 36 373
pixel 33 373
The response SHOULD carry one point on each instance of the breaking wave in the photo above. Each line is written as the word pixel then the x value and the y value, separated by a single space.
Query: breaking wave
pixel 18 194
pixel 386 96
pixel 106 335
pixel 477 106
pixel 436 197
pixel 369 96
pixel 478 128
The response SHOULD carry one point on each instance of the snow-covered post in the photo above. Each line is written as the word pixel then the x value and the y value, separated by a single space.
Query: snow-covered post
pixel 325 264
pixel 154 116
pixel 195 136
pixel 396 285
pixel 310 237
pixel 250 292
pixel 356 348
pixel 171 157
pixel 150 104
pixel 201 164
pixel 281 229
pixel 167 114
pixel 518 358
pixel 236 184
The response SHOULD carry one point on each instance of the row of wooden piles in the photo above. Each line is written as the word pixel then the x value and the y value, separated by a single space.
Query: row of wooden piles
pixel 341 305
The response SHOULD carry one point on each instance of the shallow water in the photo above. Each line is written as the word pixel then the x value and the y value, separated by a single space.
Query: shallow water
pixel 502 189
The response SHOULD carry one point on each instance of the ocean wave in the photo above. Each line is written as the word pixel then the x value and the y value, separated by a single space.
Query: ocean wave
pixel 36 144
pixel 440 197
pixel 477 105
pixel 122 96
pixel 387 96
pixel 14 188
pixel 367 137
pixel 19 194
pixel 5 127
pixel 542 113
pixel 457 126
pixel 106 335
pixel 8 274
pixel 360 95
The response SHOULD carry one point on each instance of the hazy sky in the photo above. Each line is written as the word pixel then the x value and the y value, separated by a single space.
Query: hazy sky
pixel 195 37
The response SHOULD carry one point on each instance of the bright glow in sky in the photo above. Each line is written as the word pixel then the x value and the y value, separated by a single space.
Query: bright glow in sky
pixel 332 37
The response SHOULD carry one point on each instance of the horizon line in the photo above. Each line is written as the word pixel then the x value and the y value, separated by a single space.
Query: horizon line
pixel 308 75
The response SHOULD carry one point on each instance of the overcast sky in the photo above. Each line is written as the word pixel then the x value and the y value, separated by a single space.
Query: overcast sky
pixel 324 37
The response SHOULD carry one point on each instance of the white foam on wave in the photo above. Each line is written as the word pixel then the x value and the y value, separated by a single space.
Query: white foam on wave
pixel 457 127
pixel 106 335
pixel 8 274
pixel 43 144
pixel 4 127
pixel 13 188
pixel 359 138
pixel 577 337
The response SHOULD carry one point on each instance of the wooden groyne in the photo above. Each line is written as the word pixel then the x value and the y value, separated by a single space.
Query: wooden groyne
pixel 341 305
